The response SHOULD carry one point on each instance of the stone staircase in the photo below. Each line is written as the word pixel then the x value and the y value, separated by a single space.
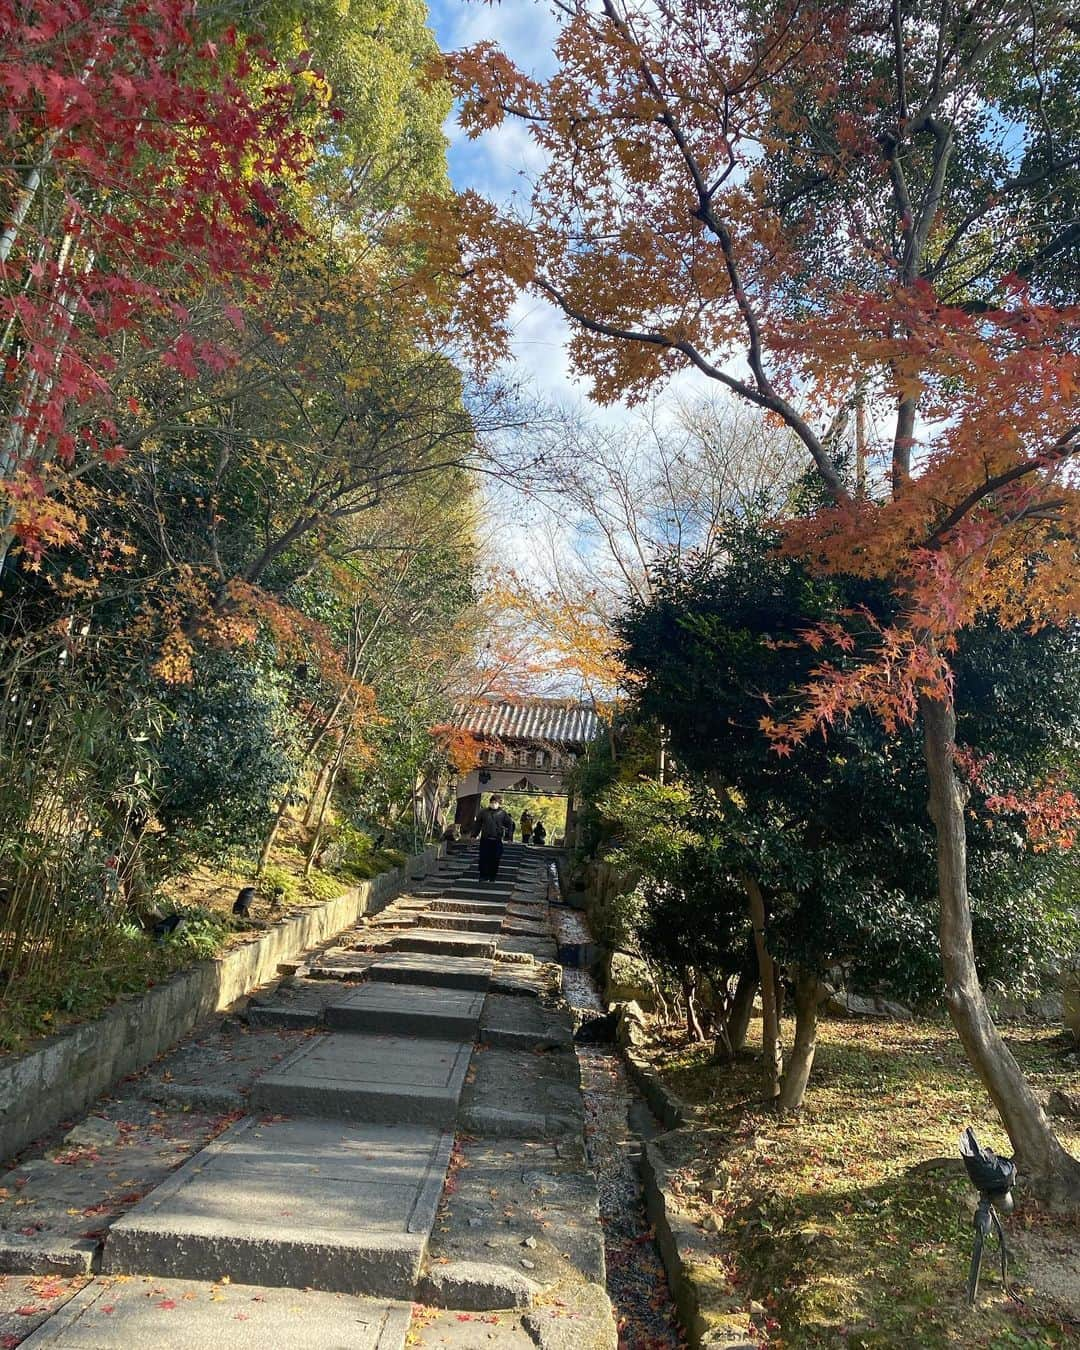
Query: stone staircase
pixel 310 1221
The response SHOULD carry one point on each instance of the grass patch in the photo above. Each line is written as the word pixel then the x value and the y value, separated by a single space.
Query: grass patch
pixel 105 965
pixel 112 963
pixel 821 1221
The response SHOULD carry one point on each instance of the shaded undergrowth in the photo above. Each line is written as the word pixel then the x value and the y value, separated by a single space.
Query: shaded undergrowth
pixel 822 1222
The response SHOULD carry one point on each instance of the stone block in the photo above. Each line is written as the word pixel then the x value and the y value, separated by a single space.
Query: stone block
pixel 192 1315
pixel 627 980
pixel 309 1203
pixel 388 1079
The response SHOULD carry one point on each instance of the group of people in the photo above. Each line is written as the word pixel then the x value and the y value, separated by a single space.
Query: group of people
pixel 493 825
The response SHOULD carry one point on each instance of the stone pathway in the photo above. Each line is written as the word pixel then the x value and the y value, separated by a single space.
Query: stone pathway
pixel 390 1150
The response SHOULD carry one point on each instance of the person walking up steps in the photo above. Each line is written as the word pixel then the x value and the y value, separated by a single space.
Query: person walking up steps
pixel 491 824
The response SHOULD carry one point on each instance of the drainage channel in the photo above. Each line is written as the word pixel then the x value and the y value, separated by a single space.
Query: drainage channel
pixel 617 1121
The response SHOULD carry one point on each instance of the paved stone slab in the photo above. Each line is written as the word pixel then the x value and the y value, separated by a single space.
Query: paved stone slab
pixel 279 1015
pixel 524 976
pixel 582 1321
pixel 408 1009
pixel 539 948
pixel 519 1201
pixel 440 906
pixel 293 1203
pixel 524 1023
pixel 340 963
pixel 460 923
pixel 55 1209
pixel 30 1254
pixel 114 1314
pixel 477 1286
pixel 491 890
pixel 438 1329
pixel 390 1079
pixel 440 971
pixel 520 1094
pixel 440 943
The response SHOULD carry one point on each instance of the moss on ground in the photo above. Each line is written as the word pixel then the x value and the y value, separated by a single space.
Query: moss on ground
pixel 821 1220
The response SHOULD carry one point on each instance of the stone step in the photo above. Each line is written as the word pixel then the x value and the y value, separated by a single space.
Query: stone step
pixel 296 1203
pixel 438 942
pixel 469 972
pixel 492 891
pixel 408 1009
pixel 459 923
pixel 181 1314
pixel 385 1079
pixel 441 906
pixel 278 1015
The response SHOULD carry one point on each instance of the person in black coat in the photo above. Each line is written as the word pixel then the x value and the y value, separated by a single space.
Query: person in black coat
pixel 490 825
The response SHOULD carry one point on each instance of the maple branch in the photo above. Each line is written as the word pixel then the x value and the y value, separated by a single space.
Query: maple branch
pixel 1067 445
pixel 1019 184
pixel 765 397
pixel 901 70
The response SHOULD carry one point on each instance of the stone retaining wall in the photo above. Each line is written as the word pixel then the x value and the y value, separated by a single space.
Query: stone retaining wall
pixel 65 1073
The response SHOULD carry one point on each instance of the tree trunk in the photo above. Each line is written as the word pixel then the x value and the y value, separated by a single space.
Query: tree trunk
pixel 731 1031
pixel 693 1026
pixel 742 1008
pixel 772 1052
pixel 316 838
pixel 1052 1174
pixel 271 835
pixel 809 995
pixel 314 794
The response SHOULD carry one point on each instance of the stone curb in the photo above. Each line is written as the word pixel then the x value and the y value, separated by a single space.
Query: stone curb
pixel 63 1074
pixel 671 1110
pixel 704 1310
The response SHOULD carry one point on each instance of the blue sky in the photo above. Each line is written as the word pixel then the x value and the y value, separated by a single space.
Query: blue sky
pixel 525 29
pixel 500 162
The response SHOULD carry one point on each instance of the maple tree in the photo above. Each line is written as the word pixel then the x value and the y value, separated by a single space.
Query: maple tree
pixel 143 158
pixel 813 205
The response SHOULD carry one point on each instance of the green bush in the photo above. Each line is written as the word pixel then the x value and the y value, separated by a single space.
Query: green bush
pixel 225 755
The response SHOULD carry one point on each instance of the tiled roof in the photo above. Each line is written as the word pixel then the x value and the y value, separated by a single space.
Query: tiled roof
pixel 550 721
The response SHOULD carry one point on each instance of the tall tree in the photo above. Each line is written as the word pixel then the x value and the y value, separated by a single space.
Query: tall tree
pixel 141 160
pixel 802 201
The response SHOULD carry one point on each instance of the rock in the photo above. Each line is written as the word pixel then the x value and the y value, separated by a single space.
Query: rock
pixel 477 1286
pixel 93 1132
pixel 1066 1104
pixel 528 1265
pixel 631 1029
pixel 529 1242
pixel 1070 999
pixel 582 1320
pixel 842 1003
pixel 627 980
pixel 713 1223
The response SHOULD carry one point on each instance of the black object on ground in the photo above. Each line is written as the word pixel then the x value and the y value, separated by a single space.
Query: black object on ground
pixel 172 923
pixel 598 1030
pixel 243 902
pixel 993 1177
